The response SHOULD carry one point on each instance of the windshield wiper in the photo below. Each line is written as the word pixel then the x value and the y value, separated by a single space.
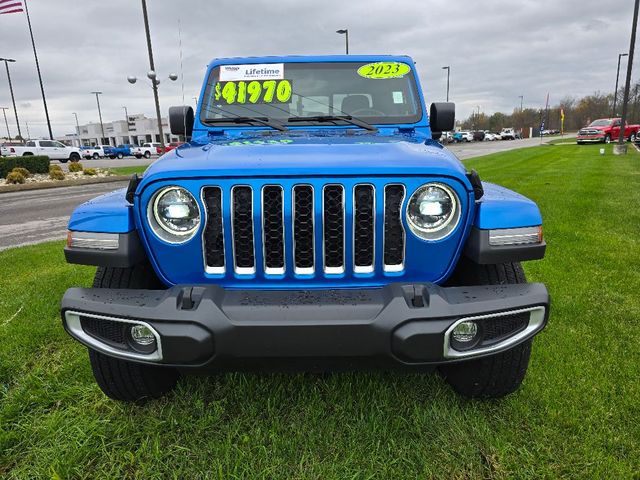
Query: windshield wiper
pixel 261 120
pixel 334 118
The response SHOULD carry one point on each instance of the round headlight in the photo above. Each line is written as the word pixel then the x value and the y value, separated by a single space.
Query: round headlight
pixel 174 214
pixel 433 211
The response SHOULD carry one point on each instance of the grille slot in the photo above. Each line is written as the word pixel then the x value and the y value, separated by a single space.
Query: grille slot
pixel 363 228
pixel 110 332
pixel 303 229
pixel 496 329
pixel 273 229
pixel 242 230
pixel 214 230
pixel 333 228
pixel 394 235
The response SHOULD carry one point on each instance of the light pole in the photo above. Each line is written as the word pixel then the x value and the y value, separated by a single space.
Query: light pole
pixel 448 69
pixel 152 72
pixel 615 93
pixel 621 148
pixel 77 129
pixel 4 111
pixel 155 81
pixel 13 100
pixel 521 97
pixel 99 115
pixel 345 32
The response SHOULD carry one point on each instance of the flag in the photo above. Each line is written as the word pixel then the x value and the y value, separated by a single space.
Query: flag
pixel 11 6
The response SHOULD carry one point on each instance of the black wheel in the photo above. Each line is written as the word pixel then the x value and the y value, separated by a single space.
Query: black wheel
pixel 580 143
pixel 120 156
pixel 138 156
pixel 64 160
pixel 74 157
pixel 607 138
pixel 121 379
pixel 499 374
pixel 632 138
pixel 147 154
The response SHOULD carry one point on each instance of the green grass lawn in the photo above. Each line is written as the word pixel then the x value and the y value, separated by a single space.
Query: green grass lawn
pixel 576 415
pixel 128 170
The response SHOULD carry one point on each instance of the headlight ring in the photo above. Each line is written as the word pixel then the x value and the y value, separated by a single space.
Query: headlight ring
pixel 174 214
pixel 433 211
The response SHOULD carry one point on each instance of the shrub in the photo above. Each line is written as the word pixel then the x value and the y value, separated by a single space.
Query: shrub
pixel 75 167
pixel 35 164
pixel 15 177
pixel 54 167
pixel 25 173
pixel 90 171
pixel 56 174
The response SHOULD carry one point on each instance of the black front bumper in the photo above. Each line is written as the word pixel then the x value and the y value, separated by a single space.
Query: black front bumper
pixel 397 325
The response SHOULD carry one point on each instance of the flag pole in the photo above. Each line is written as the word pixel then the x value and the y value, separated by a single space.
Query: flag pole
pixel 35 54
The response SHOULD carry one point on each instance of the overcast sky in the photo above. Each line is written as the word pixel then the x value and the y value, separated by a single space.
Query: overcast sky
pixel 497 49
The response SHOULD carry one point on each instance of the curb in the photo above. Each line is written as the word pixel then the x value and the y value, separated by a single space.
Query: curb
pixel 62 183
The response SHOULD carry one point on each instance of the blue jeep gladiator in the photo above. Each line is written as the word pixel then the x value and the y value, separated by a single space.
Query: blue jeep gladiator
pixel 312 223
pixel 118 152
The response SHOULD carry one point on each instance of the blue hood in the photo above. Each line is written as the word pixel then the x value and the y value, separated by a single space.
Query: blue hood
pixel 307 154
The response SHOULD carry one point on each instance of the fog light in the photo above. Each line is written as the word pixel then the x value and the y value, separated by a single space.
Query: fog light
pixel 142 335
pixel 465 332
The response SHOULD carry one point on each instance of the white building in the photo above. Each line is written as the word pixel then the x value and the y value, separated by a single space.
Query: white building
pixel 138 130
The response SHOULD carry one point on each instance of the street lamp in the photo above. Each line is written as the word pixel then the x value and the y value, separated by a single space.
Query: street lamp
pixel 13 100
pixel 155 81
pixel 615 93
pixel 621 148
pixel 345 32
pixel 4 111
pixel 521 97
pixel 77 129
pixel 99 115
pixel 448 69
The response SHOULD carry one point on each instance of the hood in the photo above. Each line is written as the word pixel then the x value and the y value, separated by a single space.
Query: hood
pixel 308 154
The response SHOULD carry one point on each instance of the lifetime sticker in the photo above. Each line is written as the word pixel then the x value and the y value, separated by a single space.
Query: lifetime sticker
pixel 383 70
pixel 259 71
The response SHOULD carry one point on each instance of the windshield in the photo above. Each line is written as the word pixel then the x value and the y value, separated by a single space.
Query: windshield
pixel 381 92
pixel 600 123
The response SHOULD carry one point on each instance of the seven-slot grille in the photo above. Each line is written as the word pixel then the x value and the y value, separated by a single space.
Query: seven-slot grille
pixel 320 224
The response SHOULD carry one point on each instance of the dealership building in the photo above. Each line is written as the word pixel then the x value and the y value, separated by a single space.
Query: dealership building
pixel 137 130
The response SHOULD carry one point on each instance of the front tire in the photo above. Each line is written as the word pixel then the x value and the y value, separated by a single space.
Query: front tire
pixel 607 138
pixel 632 138
pixel 500 374
pixel 147 154
pixel 74 157
pixel 120 156
pixel 121 379
pixel 95 156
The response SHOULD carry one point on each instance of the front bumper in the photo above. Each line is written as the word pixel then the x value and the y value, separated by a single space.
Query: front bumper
pixel 398 325
pixel 590 138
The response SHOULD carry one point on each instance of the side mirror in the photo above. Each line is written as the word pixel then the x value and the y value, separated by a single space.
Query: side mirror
pixel 442 116
pixel 181 120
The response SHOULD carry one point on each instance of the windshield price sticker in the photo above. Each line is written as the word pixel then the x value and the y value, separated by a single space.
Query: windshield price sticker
pixel 382 70
pixel 262 71
pixel 265 91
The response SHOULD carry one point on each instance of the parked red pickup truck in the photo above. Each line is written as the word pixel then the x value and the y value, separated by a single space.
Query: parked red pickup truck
pixel 605 130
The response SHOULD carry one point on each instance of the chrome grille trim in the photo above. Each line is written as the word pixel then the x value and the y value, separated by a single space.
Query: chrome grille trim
pixel 400 266
pixel 267 269
pixel 304 270
pixel 332 270
pixel 364 268
pixel 215 270
pixel 242 270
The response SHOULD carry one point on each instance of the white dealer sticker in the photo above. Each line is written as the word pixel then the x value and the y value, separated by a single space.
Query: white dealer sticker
pixel 264 71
